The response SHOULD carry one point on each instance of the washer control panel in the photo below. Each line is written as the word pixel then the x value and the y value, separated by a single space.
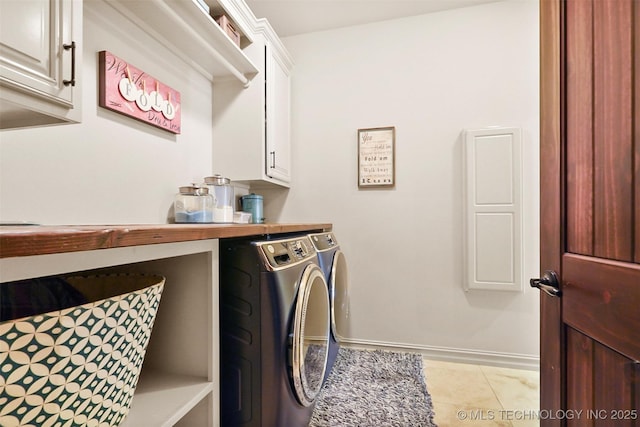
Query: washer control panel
pixel 299 249
pixel 282 253
pixel 323 241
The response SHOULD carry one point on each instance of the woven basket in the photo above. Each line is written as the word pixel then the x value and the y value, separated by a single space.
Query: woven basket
pixel 79 366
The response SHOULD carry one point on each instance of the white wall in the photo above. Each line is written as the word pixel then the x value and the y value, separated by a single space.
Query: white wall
pixel 430 76
pixel 109 169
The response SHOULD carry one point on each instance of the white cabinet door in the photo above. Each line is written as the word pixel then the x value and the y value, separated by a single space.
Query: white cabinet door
pixel 278 140
pixel 39 49
pixel 251 125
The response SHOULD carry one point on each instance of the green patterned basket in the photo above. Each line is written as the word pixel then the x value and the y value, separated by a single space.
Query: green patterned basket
pixel 79 366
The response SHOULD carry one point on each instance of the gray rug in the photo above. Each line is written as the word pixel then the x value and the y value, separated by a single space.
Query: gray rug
pixel 374 388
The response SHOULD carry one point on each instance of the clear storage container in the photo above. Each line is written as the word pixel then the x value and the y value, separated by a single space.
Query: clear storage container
pixel 223 198
pixel 193 204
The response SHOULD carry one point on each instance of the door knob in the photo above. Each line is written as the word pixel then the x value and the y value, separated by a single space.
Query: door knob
pixel 548 283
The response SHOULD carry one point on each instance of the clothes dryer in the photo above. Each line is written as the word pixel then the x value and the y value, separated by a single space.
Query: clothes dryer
pixel 274 332
pixel 334 266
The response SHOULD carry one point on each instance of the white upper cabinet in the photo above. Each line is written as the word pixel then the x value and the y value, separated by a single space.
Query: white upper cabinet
pixel 251 126
pixel 40 56
pixel 278 113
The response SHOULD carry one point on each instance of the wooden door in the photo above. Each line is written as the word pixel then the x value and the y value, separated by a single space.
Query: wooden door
pixel 590 215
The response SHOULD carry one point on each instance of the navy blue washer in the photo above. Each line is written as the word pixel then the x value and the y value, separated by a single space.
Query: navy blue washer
pixel 333 264
pixel 274 332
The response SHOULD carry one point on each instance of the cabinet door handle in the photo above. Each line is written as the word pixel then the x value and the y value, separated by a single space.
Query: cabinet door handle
pixel 71 46
pixel 273 159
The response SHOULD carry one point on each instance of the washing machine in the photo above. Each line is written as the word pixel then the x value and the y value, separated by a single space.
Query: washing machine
pixel 274 331
pixel 333 263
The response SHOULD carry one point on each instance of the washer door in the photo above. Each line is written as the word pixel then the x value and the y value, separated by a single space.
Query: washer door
pixel 310 333
pixel 339 287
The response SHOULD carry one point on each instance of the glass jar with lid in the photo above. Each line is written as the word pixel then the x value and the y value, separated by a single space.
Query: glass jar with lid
pixel 223 198
pixel 193 204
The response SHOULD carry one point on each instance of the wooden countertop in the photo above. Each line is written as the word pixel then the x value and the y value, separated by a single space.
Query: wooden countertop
pixel 21 240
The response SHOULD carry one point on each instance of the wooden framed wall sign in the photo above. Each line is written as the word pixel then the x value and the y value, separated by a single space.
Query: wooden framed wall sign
pixel 376 157
pixel 132 92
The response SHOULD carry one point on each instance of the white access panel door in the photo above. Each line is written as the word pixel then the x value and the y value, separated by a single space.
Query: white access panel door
pixel 493 209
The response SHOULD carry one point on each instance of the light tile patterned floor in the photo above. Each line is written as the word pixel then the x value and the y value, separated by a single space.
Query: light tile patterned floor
pixel 475 395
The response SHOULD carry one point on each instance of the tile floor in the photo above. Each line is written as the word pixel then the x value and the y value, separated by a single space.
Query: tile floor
pixel 475 395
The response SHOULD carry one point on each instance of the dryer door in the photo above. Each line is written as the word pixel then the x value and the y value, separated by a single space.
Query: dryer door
pixel 310 333
pixel 339 291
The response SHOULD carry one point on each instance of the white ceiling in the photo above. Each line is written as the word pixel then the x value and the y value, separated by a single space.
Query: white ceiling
pixel 292 17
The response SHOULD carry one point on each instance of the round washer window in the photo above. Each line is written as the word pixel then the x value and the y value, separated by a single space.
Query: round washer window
pixel 310 335
pixel 340 297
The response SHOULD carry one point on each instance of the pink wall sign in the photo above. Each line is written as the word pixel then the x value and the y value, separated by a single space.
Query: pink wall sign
pixel 132 92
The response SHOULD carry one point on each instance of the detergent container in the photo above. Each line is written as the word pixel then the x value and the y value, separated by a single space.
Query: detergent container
pixel 223 195
pixel 193 204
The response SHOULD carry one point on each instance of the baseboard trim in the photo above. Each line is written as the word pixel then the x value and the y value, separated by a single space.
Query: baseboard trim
pixel 459 355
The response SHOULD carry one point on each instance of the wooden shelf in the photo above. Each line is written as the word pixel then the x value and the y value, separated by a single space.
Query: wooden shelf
pixel 188 31
pixel 161 399
pixel 25 240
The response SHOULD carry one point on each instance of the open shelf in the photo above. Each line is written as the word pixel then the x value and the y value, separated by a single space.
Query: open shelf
pixel 184 28
pixel 161 399
pixel 178 383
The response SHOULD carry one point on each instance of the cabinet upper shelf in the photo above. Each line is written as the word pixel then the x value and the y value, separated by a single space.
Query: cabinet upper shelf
pixel 192 34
